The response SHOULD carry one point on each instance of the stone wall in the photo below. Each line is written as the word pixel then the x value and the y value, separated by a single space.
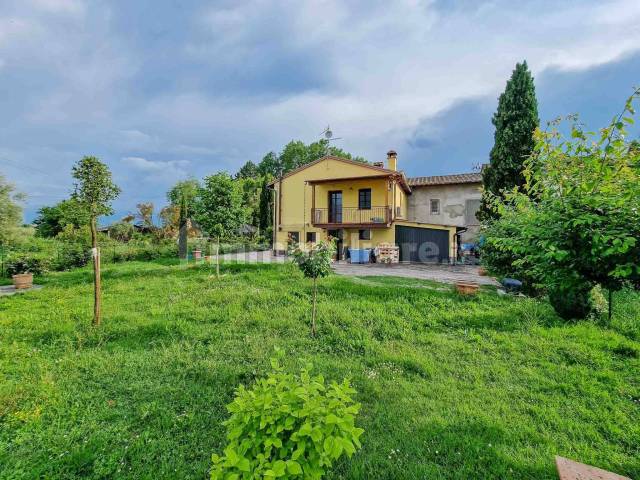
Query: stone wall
pixel 458 203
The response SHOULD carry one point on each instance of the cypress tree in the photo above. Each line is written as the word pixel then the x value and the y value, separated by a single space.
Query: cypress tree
pixel 264 208
pixel 515 121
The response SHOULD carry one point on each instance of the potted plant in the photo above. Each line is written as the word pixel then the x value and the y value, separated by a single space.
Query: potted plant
pixel 467 288
pixel 19 270
pixel 22 268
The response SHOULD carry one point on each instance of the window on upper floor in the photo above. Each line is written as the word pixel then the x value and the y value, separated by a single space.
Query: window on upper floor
pixel 364 199
pixel 434 206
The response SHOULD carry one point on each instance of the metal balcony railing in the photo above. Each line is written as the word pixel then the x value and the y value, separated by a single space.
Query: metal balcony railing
pixel 351 216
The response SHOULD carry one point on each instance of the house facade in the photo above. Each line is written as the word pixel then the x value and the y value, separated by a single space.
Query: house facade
pixel 448 199
pixel 362 206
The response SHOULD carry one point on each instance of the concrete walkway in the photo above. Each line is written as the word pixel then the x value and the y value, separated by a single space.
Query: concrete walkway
pixel 6 290
pixel 437 273
pixel 253 257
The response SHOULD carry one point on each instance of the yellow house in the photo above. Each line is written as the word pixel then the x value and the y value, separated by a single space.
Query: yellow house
pixel 359 204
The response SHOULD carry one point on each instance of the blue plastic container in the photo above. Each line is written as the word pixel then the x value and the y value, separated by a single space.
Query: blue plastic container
pixel 359 255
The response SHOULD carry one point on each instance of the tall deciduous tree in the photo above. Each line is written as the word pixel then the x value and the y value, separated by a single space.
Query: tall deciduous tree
pixel 296 154
pixel 218 206
pixel 183 196
pixel 53 220
pixel 576 221
pixel 219 209
pixel 94 192
pixel 515 121
pixel 145 214
pixel 250 187
pixel 248 170
pixel 10 211
pixel 270 165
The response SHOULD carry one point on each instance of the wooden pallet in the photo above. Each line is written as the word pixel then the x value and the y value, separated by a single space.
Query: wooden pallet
pixel 387 253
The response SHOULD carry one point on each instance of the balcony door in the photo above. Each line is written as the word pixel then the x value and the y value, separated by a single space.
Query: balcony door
pixel 335 206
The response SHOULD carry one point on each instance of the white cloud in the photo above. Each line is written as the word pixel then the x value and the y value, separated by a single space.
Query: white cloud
pixel 82 79
pixel 392 64
pixel 75 7
pixel 80 64
pixel 171 169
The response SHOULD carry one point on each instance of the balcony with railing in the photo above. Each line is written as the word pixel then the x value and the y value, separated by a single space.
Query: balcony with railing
pixel 351 217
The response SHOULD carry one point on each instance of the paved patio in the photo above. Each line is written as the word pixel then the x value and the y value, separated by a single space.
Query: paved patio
pixel 6 290
pixel 254 257
pixel 438 273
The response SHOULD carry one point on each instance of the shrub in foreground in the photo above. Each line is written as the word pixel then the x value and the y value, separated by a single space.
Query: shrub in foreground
pixel 288 426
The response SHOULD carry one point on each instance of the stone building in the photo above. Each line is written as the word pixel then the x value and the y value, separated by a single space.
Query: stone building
pixel 447 200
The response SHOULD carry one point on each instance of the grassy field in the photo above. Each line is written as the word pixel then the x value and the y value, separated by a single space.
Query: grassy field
pixel 490 387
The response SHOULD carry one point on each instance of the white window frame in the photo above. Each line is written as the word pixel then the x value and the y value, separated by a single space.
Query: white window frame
pixel 432 202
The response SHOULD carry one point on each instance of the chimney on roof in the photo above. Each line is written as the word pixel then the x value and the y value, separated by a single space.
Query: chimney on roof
pixel 392 160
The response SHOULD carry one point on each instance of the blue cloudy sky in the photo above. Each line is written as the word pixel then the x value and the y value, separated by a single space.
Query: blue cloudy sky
pixel 163 90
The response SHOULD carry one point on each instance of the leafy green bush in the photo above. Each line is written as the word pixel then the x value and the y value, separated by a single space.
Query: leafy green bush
pixel 27 263
pixel 288 426
pixel 72 255
pixel 122 231
pixel 576 221
pixel 571 302
pixel 502 258
pixel 142 252
pixel 123 255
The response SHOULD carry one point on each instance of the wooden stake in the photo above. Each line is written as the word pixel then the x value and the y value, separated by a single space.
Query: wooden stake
pixel 218 258
pixel 95 253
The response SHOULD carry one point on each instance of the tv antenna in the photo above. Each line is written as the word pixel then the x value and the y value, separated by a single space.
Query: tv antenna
pixel 478 167
pixel 328 136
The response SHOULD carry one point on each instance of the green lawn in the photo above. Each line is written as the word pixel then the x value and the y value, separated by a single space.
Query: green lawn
pixel 490 387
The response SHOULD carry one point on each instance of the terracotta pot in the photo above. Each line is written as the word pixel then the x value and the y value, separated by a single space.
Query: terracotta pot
pixel 23 280
pixel 466 288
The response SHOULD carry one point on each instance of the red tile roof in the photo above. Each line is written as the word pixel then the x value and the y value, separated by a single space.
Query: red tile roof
pixel 394 173
pixel 445 179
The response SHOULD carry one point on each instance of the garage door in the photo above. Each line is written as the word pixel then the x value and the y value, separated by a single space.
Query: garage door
pixel 423 245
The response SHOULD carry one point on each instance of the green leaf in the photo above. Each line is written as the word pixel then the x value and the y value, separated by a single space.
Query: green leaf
pixel 297 452
pixel 294 467
pixel 331 419
pixel 305 429
pixel 232 456
pixel 244 465
pixel 337 448
pixel 316 435
pixel 328 444
pixel 279 467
